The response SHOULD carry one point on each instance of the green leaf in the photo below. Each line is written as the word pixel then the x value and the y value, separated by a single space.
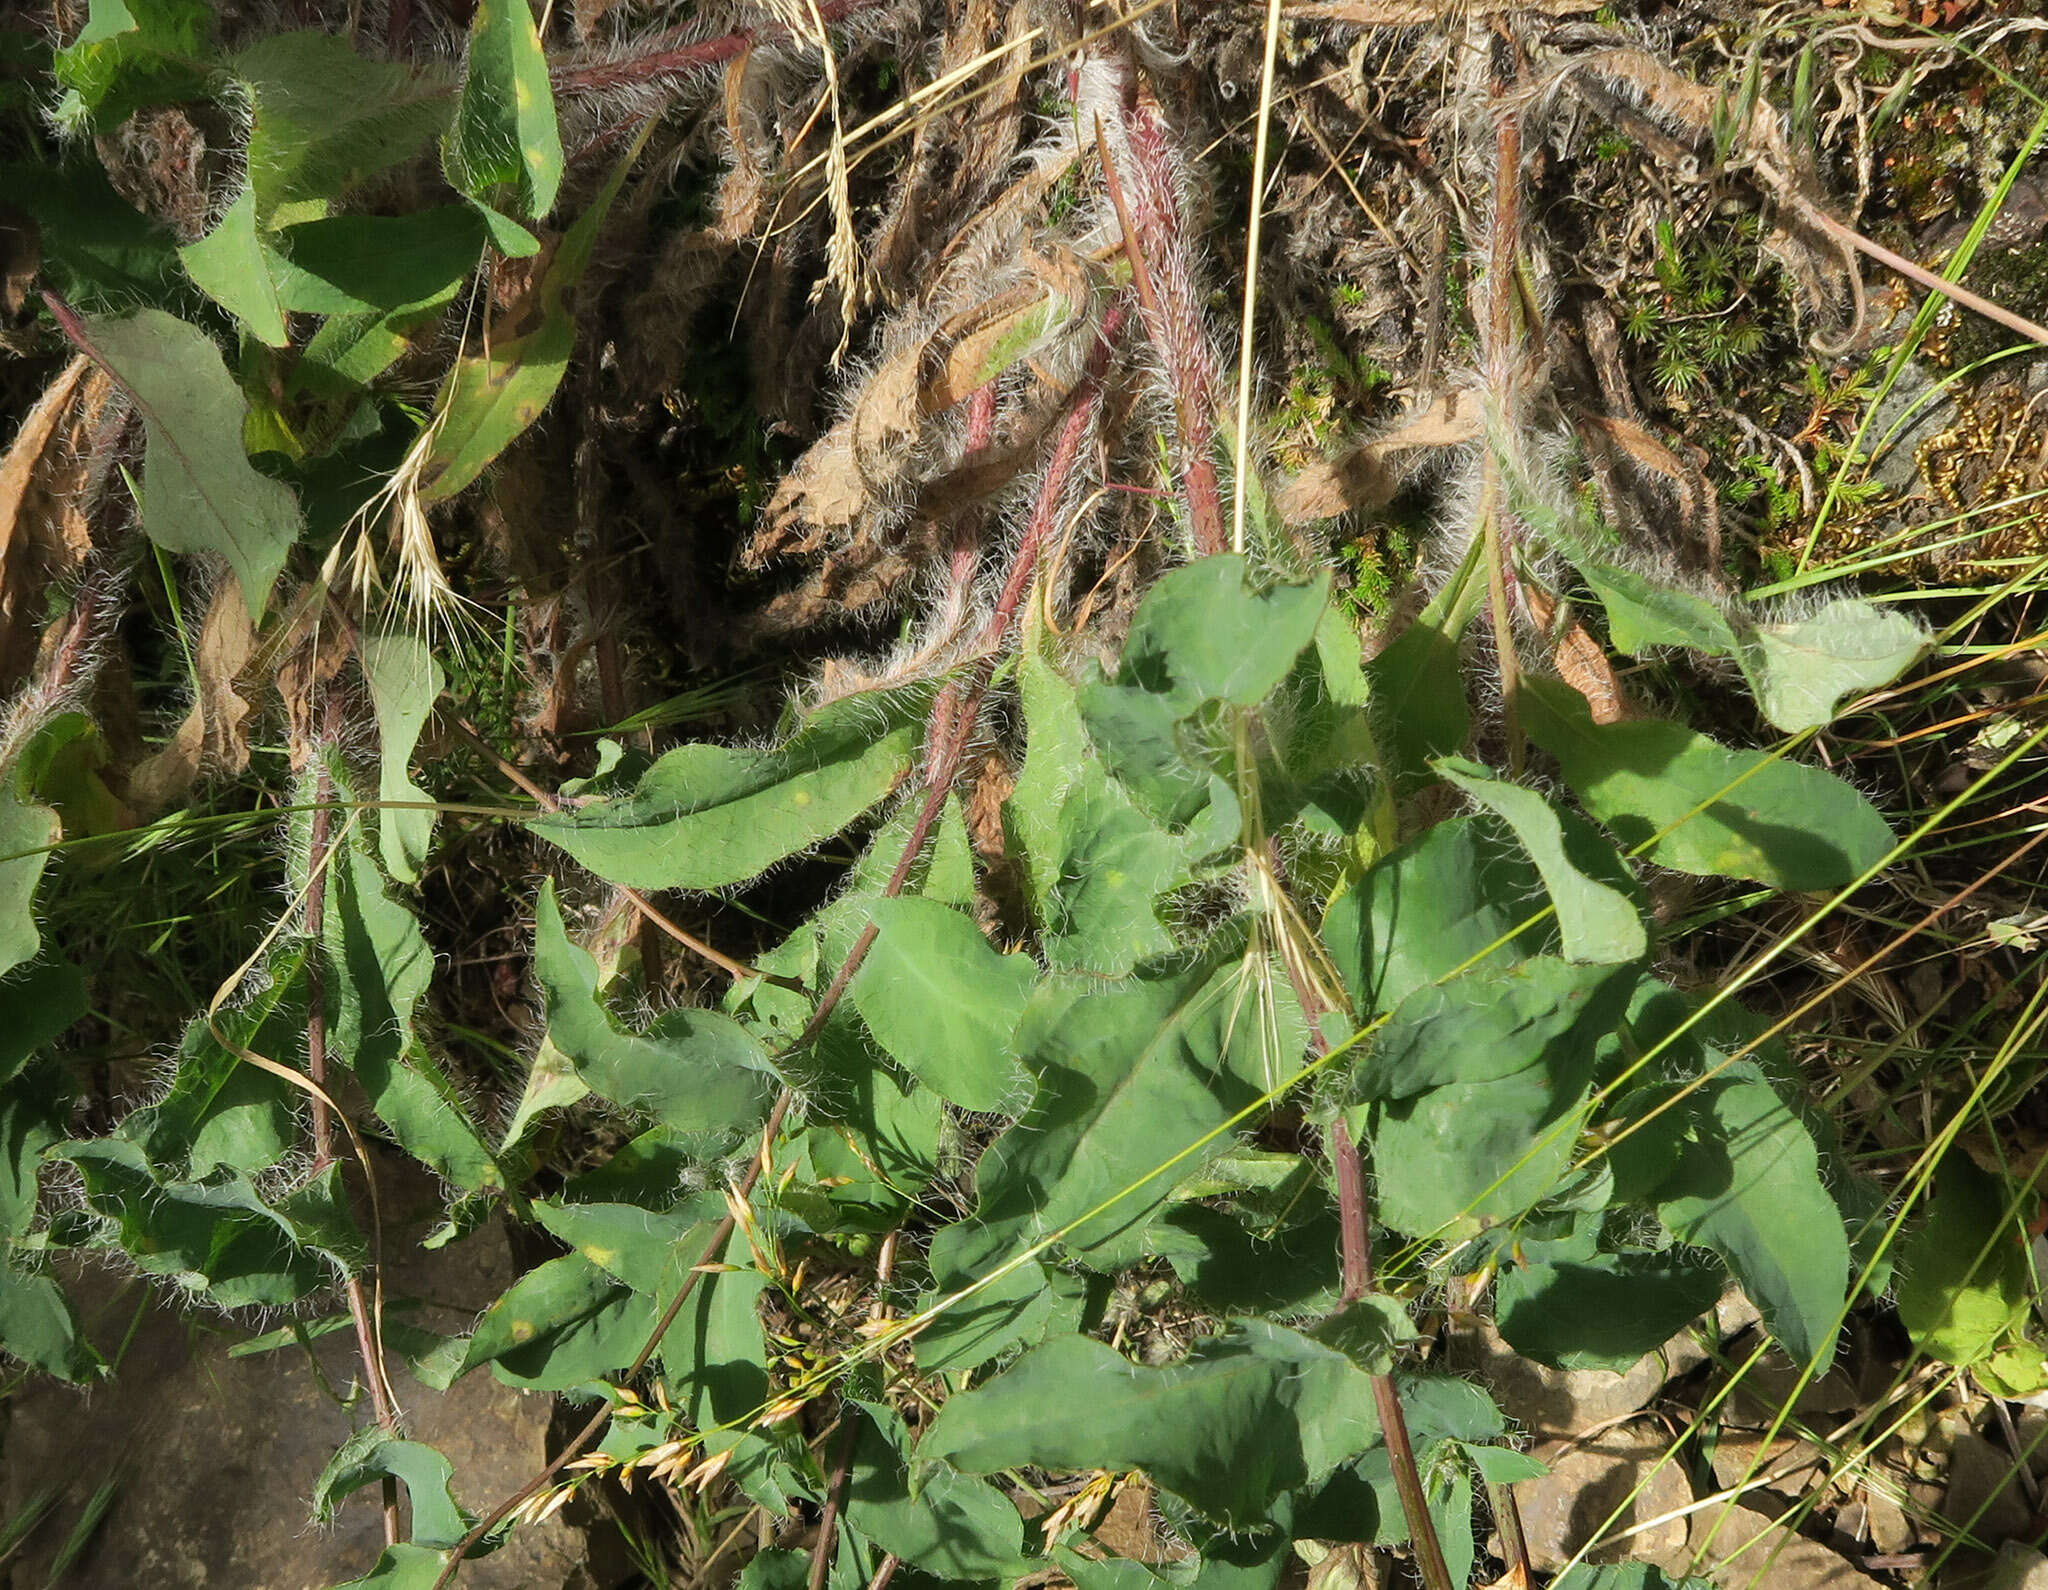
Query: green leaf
pixel 1418 687
pixel 200 493
pixel 26 833
pixel 1202 637
pixel 220 1110
pixel 38 1327
pixel 696 1070
pixel 1125 1078
pixel 405 681
pixel 1748 1185
pixel 371 1454
pixel 707 816
pixel 647 1249
pixel 232 266
pixel 377 264
pixel 1965 1283
pixel 325 118
pixel 1601 1314
pixel 560 1325
pixel 943 1002
pixel 1460 1156
pixel 36 1007
pixel 131 54
pixel 1597 911
pixel 954 1527
pixel 504 134
pixel 1738 814
pixel 1250 1415
pixel 99 251
pixel 380 966
pixel 1486 1025
pixel 1801 668
pixel 490 398
pixel 403 1567
pixel 218 1234
pixel 1447 901
pixel 1094 863
pixel 1643 613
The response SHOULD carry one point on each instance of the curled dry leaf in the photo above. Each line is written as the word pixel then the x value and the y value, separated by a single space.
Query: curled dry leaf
pixel 214 732
pixel 43 531
pixel 1578 658
pixel 1368 475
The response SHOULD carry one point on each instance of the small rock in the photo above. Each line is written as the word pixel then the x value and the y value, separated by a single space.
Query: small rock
pixel 1740 1550
pixel 2018 1568
pixel 1888 1529
pixel 1566 1402
pixel 1572 1504
pixel 215 1457
pixel 1787 1468
pixel 1984 1495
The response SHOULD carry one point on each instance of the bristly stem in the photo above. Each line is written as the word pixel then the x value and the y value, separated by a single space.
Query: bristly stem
pixel 1502 360
pixel 320 841
pixel 1153 232
pixel 679 59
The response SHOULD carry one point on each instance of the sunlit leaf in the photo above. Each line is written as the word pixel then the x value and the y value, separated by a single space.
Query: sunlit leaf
pixel 1249 1415
pixel 943 1003
pixel 1703 808
pixel 200 493
pixel 504 135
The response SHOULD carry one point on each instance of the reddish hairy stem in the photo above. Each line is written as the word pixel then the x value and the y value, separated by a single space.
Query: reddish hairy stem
pixel 657 64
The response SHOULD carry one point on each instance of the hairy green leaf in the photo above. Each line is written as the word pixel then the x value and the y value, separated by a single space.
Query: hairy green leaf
pixel 1748 1185
pixel 1800 668
pixel 402 1567
pixel 379 968
pixel 1451 900
pixel 504 134
pixel 696 1070
pixel 377 264
pixel 1249 1415
pixel 27 830
pixel 560 1324
pixel 405 681
pixel 492 396
pixel 234 268
pixel 1202 637
pixel 1965 1282
pixel 218 1234
pixel 1483 1026
pixel 706 816
pixel 1094 863
pixel 220 1110
pixel 131 54
pixel 1125 1078
pixel 200 493
pixel 35 1008
pixel 943 1002
pixel 1699 807
pixel 326 118
pixel 1597 912
pixel 954 1527
pixel 371 1454
pixel 38 1327
pixel 1602 1313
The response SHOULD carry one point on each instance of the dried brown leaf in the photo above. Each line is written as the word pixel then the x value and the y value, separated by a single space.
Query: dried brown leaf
pixel 43 531
pixel 1578 659
pixel 214 732
pixel 1367 476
